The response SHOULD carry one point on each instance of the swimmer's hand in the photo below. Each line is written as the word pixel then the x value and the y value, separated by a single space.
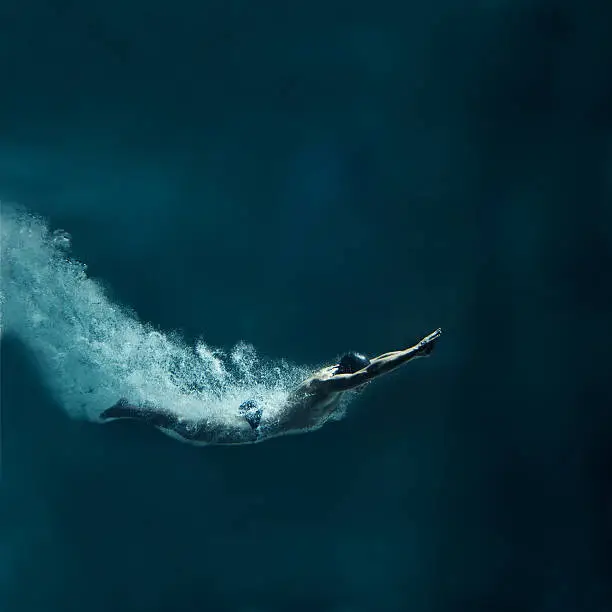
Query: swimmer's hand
pixel 427 344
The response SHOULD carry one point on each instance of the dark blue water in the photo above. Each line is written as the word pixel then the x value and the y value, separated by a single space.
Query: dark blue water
pixel 311 178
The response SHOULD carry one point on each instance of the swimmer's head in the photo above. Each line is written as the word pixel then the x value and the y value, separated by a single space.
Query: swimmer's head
pixel 352 362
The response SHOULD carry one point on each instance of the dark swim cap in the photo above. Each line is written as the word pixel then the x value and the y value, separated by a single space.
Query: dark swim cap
pixel 352 362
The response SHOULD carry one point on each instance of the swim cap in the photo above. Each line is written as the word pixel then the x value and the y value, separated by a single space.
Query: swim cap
pixel 352 362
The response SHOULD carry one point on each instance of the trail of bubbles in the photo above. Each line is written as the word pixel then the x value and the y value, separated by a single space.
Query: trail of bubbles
pixel 93 352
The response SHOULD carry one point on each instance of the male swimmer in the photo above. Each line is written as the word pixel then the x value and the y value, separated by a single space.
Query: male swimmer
pixel 307 408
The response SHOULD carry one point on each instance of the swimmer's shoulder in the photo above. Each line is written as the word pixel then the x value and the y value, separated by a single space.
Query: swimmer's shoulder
pixel 318 378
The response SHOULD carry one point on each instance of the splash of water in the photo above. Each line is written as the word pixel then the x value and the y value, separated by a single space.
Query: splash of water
pixel 93 352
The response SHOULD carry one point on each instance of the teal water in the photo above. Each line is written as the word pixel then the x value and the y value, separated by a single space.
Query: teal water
pixel 263 186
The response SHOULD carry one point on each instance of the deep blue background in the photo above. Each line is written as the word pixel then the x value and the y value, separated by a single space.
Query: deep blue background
pixel 314 177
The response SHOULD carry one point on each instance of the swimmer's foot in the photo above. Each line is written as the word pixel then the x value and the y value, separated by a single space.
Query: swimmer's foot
pixel 120 410
pixel 427 344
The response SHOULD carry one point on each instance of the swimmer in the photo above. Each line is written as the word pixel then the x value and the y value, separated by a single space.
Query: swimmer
pixel 307 408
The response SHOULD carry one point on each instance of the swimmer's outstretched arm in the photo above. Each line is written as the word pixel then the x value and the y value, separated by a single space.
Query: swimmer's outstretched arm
pixel 383 364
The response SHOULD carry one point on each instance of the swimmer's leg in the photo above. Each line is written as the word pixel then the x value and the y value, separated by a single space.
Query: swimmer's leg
pixel 189 430
pixel 150 416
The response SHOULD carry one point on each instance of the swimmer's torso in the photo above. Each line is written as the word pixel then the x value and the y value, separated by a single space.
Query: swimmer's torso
pixel 310 405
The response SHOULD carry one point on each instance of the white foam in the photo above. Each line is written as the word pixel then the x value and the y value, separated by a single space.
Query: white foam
pixel 93 352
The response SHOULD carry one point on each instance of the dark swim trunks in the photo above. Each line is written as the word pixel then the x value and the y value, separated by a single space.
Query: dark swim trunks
pixel 252 412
